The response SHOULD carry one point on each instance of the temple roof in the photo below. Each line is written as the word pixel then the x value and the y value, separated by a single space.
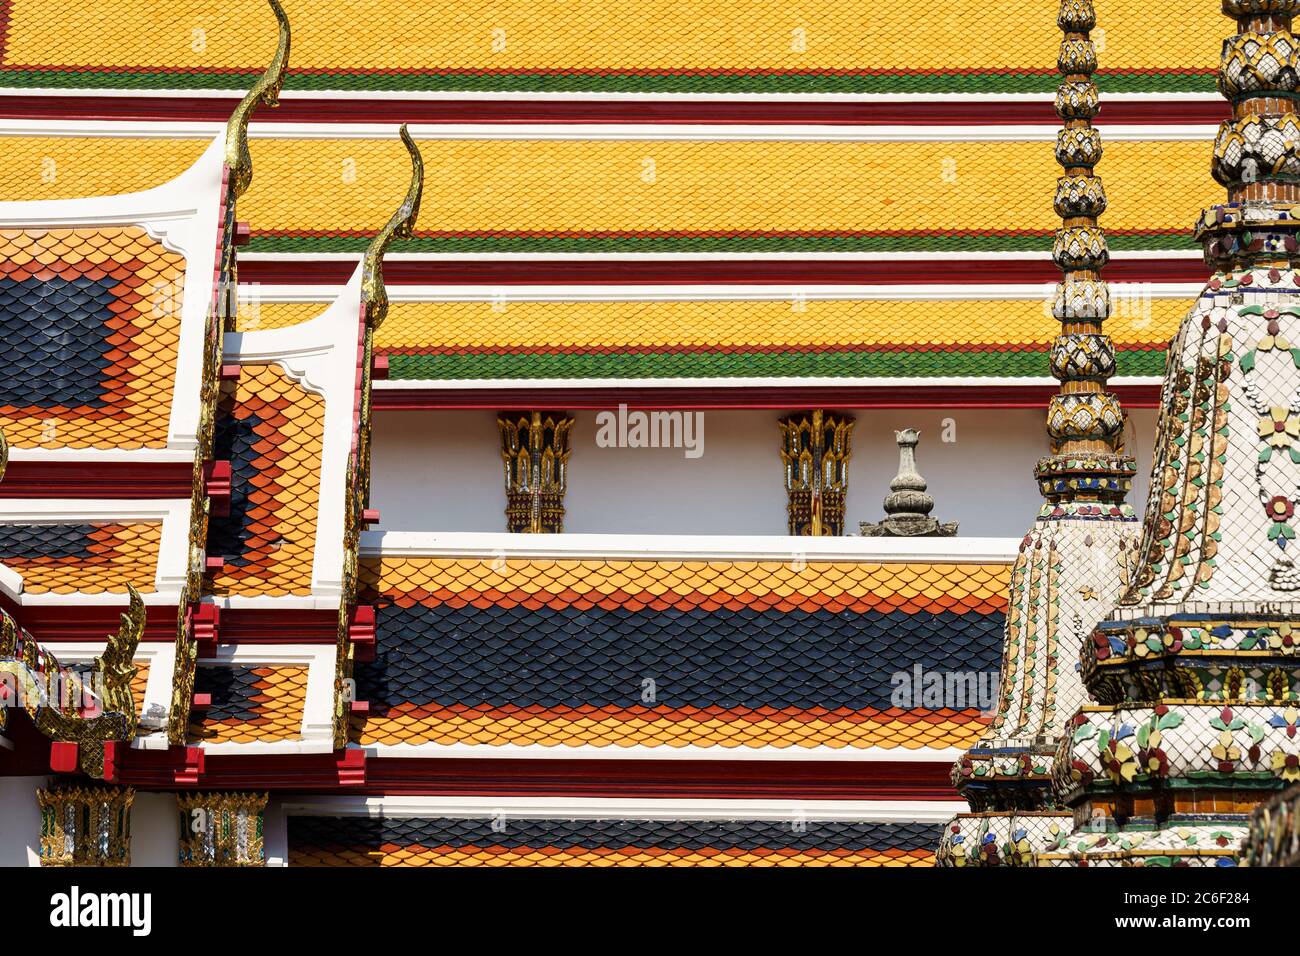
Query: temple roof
pixel 528 192
pixel 460 841
pixel 623 45
pixel 249 703
pixel 270 429
pixel 80 316
pixel 90 557
pixel 590 338
pixel 556 652
pixel 102 337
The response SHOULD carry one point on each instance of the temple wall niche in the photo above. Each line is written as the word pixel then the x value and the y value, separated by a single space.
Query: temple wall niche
pixel 441 471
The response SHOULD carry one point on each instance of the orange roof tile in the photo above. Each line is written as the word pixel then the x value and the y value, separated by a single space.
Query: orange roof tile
pixel 271 429
pixel 249 703
pixel 92 325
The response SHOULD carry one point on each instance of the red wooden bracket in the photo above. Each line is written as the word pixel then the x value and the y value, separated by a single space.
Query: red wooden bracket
pixel 216 485
pixel 370 516
pixel 201 702
pixel 379 368
pixel 360 707
pixel 243 233
pixel 114 750
pixel 63 756
pixel 230 373
pixel 352 768
pixel 361 632
pixel 191 764
pixel 207 624
pixel 213 563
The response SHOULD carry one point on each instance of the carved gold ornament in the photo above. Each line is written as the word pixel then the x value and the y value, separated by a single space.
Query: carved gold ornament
pixel 815 449
pixel 535 459
pixel 356 494
pixel 70 704
pixel 221 318
pixel 400 225
pixel 222 829
pixel 85 826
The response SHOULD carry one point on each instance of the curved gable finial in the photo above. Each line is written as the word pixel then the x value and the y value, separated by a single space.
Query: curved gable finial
pixel 265 90
pixel 400 224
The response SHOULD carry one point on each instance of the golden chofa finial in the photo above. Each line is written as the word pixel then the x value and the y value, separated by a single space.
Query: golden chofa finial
pixel 4 453
pixel 402 225
pixel 265 91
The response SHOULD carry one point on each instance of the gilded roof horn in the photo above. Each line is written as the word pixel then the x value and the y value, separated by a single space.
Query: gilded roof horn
pixel 402 225
pixel 265 91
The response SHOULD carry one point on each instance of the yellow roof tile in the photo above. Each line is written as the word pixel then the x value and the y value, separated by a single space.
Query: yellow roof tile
pixel 522 187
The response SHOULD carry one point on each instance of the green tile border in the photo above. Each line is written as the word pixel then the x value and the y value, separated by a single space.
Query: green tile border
pixel 914 364
pixel 341 80
pixel 669 243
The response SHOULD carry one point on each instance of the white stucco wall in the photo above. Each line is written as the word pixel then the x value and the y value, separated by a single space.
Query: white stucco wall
pixel 441 471
pixel 20 821
pixel 155 830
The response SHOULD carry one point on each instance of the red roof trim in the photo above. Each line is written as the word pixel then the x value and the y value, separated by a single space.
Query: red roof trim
pixel 953 111
pixel 892 270
pixel 774 779
pixel 51 623
pixel 98 479
pixel 278 626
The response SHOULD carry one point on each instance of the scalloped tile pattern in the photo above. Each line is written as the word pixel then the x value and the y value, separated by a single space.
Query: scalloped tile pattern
pixel 262 702
pixel 256 316
pixel 94 557
pixel 91 319
pixel 589 195
pixel 582 584
pixel 618 45
pixel 697 338
pixel 139 683
pixel 817 338
pixel 630 326
pixel 451 841
pixel 271 430
pixel 672 653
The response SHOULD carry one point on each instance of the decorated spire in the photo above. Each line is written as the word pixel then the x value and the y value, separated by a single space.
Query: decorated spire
pixel 909 503
pixel 1243 330
pixel 1193 672
pixel 1084 421
pixel 1074 559
pixel 1257 151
